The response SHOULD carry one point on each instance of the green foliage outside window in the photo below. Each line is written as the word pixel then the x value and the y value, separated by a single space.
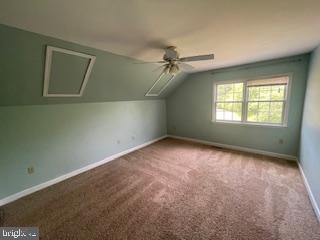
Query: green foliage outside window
pixel 265 104
pixel 229 98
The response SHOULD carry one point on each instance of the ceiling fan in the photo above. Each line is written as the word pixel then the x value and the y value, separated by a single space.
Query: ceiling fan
pixel 173 64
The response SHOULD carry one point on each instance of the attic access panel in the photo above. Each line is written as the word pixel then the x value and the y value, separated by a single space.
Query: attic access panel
pixel 159 85
pixel 66 72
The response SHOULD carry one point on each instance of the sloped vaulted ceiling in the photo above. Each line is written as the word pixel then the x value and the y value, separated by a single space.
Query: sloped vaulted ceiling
pixel 113 77
pixel 237 32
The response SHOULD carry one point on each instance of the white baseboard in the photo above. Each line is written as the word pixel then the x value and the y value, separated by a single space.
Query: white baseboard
pixel 33 189
pixel 36 188
pixel 238 148
pixel 311 197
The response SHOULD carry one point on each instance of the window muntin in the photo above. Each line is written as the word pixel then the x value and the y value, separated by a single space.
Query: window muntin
pixel 262 101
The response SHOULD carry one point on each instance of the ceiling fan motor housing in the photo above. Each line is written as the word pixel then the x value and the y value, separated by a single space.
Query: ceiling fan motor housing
pixel 171 54
pixel 172 60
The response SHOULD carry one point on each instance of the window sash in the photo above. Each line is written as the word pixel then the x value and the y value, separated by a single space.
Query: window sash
pixel 270 101
pixel 245 101
pixel 216 101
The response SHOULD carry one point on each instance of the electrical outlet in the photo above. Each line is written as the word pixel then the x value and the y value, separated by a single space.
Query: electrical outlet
pixel 30 170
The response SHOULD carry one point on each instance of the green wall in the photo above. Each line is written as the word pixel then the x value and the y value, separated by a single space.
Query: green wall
pixel 189 108
pixel 57 139
pixel 113 77
pixel 59 135
pixel 310 131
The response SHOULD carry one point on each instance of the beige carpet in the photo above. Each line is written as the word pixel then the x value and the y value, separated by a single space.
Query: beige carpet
pixel 174 190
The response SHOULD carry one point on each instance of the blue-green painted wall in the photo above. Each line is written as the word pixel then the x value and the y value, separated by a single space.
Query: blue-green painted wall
pixel 189 108
pixel 310 131
pixel 59 135
pixel 113 77
pixel 57 139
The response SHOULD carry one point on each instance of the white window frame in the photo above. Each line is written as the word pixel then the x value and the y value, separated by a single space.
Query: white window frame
pixel 245 102
pixel 47 71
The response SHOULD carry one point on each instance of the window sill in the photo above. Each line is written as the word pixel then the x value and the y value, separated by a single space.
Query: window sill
pixel 250 124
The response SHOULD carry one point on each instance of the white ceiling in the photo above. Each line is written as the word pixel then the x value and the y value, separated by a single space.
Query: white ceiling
pixel 235 31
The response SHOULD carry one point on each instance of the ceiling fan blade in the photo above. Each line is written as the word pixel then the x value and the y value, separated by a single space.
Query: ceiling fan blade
pixel 197 58
pixel 185 66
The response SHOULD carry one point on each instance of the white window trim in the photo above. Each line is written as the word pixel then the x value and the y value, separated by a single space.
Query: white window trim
pixel 49 52
pixel 244 106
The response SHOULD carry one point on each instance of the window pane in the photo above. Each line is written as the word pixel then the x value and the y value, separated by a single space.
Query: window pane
pixel 229 102
pixel 278 92
pixel 263 117
pixel 238 87
pixel 237 96
pixel 275 117
pixel 276 106
pixel 219 111
pixel 264 93
pixel 252 115
pixel 276 109
pixel 264 106
pixel 229 111
pixel 265 112
pixel 220 93
pixel 253 94
pixel 237 111
pixel 230 92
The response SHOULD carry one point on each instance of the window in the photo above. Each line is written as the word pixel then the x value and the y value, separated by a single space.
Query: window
pixel 229 102
pixel 262 101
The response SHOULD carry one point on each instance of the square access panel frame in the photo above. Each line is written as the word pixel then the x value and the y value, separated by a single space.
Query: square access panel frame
pixel 47 72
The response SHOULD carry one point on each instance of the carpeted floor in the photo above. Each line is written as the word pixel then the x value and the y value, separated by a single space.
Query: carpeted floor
pixel 174 190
